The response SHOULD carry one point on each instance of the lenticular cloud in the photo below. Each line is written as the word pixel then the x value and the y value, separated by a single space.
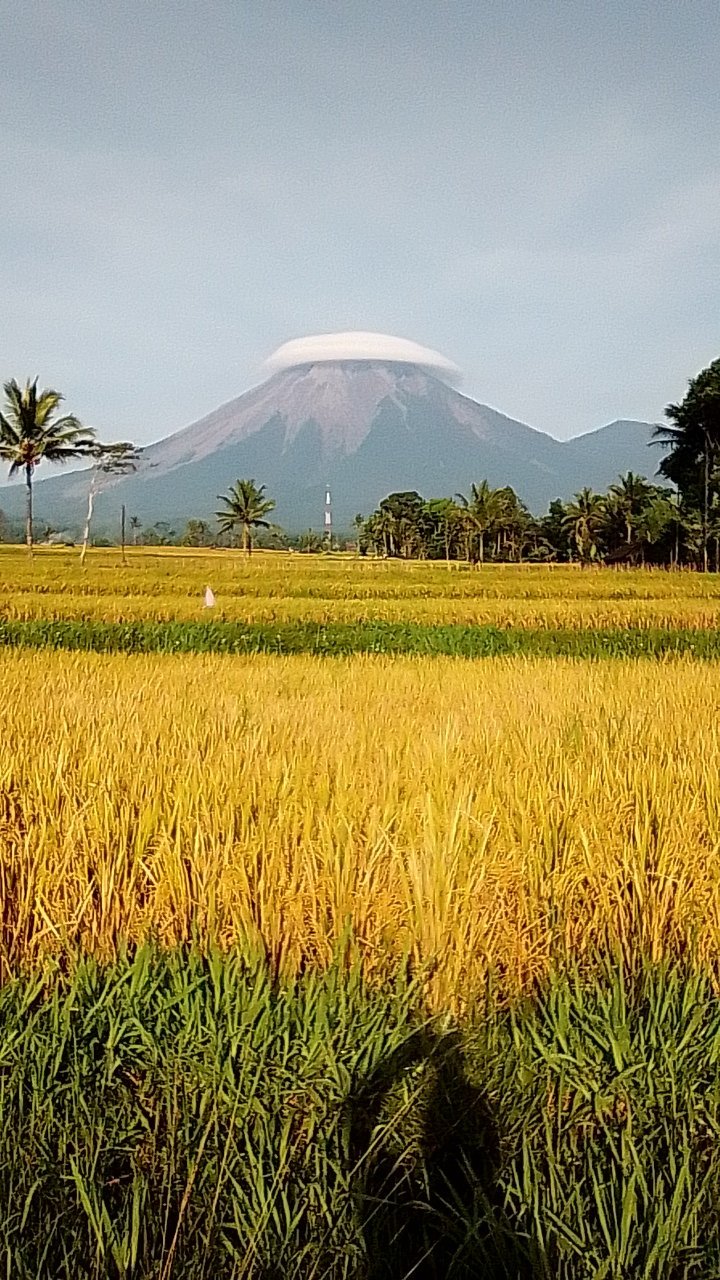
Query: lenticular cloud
pixel 360 346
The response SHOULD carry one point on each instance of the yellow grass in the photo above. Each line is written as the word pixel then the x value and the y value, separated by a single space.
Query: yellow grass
pixel 477 816
pixel 169 584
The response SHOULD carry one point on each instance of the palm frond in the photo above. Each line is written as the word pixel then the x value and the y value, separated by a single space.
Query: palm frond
pixel 46 404
pixel 8 432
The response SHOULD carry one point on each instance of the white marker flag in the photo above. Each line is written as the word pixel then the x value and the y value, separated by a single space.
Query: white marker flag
pixel 209 598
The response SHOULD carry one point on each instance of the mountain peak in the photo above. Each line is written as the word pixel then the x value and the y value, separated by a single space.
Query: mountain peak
pixel 340 398
pixel 364 418
pixel 357 346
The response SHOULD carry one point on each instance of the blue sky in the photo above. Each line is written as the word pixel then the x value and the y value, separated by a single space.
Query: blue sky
pixel 533 189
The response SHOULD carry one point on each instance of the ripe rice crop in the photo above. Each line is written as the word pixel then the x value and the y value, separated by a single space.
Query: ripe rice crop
pixel 66 605
pixel 407 964
pixel 168 585
pixel 485 819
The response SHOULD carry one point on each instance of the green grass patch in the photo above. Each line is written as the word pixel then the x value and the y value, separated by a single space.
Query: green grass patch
pixel 338 639
pixel 174 1115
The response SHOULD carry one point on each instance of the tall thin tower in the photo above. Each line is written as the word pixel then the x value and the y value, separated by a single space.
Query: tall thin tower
pixel 328 515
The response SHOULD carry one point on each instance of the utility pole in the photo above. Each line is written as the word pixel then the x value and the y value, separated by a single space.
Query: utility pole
pixel 122 532
pixel 328 517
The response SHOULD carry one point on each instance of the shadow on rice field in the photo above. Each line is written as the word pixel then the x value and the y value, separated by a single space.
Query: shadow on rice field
pixel 392 966
pixel 174 1115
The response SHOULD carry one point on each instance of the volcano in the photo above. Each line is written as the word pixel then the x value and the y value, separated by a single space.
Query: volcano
pixel 362 417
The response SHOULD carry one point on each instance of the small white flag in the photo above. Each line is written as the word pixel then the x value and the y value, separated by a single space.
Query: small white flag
pixel 209 598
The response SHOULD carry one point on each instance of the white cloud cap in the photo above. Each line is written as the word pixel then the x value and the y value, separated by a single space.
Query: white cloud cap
pixel 360 346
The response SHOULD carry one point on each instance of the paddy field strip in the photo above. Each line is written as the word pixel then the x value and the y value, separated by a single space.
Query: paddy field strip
pixel 491 818
pixel 167 585
pixel 271 923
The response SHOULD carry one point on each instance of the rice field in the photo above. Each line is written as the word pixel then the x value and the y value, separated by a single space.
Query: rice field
pixel 489 818
pixel 169 584
pixel 364 968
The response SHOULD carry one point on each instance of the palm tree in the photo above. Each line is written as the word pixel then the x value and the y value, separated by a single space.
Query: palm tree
pixel 583 519
pixel 385 526
pixel 629 497
pixel 481 511
pixel 358 522
pixel 246 507
pixel 136 526
pixel 30 432
pixel 510 522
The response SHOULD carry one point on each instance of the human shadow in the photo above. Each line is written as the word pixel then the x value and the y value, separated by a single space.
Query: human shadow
pixel 425 1151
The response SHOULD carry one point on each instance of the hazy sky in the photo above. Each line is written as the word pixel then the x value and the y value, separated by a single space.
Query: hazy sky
pixel 532 188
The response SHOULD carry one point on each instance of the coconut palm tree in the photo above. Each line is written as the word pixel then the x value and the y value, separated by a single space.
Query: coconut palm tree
pixel 246 508
pixel 358 522
pixel 584 520
pixel 510 524
pixel 480 513
pixel 628 498
pixel 30 432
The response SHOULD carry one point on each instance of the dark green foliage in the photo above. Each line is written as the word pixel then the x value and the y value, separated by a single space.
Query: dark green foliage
pixel 188 1117
pixel 693 436
pixel 337 639
pixel 197 534
pixel 634 522
pixel 184 1117
pixel 693 432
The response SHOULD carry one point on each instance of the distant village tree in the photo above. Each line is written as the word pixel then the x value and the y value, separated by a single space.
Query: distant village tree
pixel 246 507
pixel 480 513
pixel 197 534
pixel 161 534
pixel 30 433
pixel 310 542
pixel 584 518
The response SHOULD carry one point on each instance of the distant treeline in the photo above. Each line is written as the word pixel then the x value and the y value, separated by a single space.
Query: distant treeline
pixel 634 522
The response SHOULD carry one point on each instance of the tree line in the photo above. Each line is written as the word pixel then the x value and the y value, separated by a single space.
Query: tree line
pixel 635 522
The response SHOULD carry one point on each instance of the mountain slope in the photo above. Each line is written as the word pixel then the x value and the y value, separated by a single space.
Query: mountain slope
pixel 595 453
pixel 363 427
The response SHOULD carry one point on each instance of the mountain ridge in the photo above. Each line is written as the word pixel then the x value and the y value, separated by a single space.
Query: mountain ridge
pixel 363 427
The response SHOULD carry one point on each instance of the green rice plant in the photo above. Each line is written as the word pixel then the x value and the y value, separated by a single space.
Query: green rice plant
pixel 340 639
pixel 188 1117
pixel 180 1116
pixel 615 1171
